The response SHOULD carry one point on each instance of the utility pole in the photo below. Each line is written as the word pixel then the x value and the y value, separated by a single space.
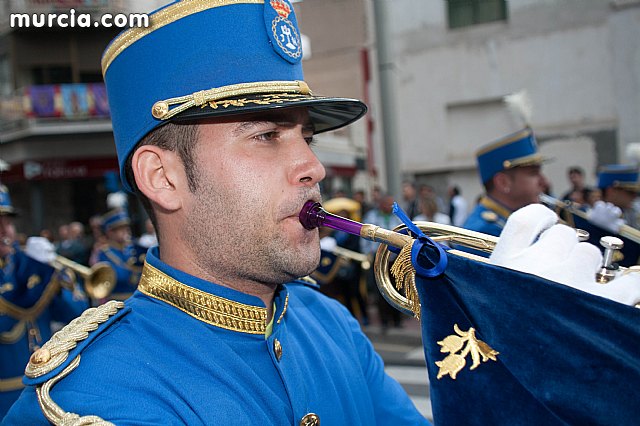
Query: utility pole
pixel 387 104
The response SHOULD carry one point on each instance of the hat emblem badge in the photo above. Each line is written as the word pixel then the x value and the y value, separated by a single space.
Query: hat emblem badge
pixel 285 32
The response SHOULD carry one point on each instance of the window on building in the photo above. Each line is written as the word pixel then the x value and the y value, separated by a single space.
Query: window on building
pixel 51 75
pixel 91 77
pixel 464 13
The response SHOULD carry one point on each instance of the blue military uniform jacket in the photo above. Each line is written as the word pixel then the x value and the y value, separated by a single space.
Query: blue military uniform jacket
pixel 30 299
pixel 187 351
pixel 489 217
pixel 127 263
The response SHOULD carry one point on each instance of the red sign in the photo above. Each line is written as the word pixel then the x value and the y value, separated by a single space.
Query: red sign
pixel 82 168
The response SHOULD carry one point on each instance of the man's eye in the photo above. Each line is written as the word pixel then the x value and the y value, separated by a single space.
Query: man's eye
pixel 267 136
pixel 310 140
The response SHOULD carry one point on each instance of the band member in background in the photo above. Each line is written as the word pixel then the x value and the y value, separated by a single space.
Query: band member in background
pixel 31 298
pixel 510 170
pixel 125 257
pixel 619 185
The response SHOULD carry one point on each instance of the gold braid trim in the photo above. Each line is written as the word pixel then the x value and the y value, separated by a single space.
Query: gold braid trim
pixel 286 304
pixel 8 385
pixel 16 312
pixel 206 307
pixel 13 335
pixel 54 413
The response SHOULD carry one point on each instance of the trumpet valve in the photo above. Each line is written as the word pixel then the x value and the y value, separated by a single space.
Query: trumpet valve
pixel 608 270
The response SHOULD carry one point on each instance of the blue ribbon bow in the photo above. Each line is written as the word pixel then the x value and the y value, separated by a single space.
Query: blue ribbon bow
pixel 421 240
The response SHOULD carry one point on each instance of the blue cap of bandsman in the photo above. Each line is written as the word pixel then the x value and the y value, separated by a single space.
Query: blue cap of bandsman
pixel 209 58
pixel 621 176
pixel 6 208
pixel 514 150
pixel 114 219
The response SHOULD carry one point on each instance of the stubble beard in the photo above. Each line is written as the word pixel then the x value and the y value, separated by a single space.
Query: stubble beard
pixel 237 240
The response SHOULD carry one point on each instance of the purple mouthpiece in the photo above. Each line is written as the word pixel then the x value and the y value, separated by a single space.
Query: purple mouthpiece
pixel 313 215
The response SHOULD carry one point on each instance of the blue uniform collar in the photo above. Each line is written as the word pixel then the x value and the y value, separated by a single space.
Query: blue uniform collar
pixel 208 302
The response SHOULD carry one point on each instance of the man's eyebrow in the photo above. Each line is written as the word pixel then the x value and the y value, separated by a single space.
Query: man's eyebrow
pixel 247 126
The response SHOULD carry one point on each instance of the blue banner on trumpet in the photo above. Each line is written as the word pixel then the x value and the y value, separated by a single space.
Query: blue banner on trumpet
pixel 514 348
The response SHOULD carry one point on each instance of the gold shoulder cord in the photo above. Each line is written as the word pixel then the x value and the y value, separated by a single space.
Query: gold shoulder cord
pixel 57 415
pixel 55 352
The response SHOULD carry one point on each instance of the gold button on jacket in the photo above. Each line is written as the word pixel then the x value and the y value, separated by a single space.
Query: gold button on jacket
pixel 277 348
pixel 310 419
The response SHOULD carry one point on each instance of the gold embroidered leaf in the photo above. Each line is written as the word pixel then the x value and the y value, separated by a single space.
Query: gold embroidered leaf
pixel 451 344
pixel 467 343
pixel 451 365
pixel 487 352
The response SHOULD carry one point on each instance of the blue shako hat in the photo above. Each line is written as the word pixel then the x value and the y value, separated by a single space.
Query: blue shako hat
pixel 6 208
pixel 514 150
pixel 619 176
pixel 114 218
pixel 206 58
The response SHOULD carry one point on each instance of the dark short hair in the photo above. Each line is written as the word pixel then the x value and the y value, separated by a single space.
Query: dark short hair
pixel 176 137
pixel 576 169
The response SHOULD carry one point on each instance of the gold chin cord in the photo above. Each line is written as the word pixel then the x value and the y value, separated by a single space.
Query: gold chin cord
pixel 397 283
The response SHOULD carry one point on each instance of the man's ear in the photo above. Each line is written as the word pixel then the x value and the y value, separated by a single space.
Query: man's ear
pixel 159 175
pixel 502 183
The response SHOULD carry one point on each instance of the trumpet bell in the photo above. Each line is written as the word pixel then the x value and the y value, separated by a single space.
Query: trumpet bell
pixel 101 282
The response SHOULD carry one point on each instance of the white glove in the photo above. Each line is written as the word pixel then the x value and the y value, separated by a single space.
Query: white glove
pixel 557 255
pixel 606 216
pixel 40 249
pixel 625 288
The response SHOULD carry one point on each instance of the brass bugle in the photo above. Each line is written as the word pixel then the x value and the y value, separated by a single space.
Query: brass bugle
pixel 99 280
pixel 313 215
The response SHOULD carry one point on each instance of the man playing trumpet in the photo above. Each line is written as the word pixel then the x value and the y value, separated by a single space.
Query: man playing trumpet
pixel 31 298
pixel 214 127
pixel 124 257
pixel 510 170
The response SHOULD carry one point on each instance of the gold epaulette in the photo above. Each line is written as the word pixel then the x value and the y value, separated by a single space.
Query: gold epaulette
pixel 489 216
pixel 54 354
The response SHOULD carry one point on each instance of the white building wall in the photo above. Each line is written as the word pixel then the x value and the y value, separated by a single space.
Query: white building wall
pixel 579 61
